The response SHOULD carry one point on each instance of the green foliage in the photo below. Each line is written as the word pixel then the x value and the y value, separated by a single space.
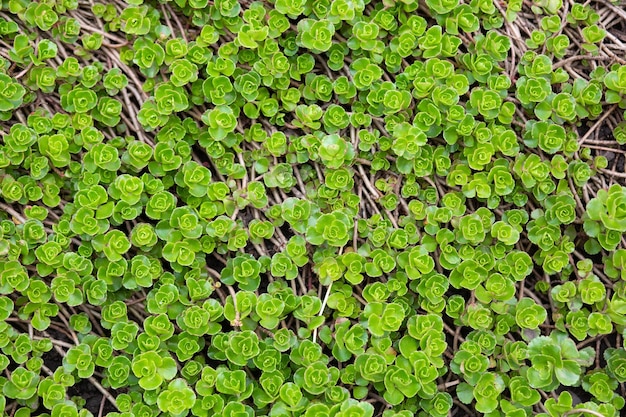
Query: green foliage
pixel 316 35
pixel 312 208
pixel 556 360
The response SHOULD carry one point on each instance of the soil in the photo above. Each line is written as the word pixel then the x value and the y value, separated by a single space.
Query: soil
pixel 93 398
pixel 83 389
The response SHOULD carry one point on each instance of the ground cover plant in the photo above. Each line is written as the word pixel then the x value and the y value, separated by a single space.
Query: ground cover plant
pixel 312 208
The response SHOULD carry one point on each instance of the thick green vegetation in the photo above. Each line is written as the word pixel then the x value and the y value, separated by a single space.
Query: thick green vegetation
pixel 312 208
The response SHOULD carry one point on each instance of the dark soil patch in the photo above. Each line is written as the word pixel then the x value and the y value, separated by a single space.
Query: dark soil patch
pixel 83 388
pixel 93 398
